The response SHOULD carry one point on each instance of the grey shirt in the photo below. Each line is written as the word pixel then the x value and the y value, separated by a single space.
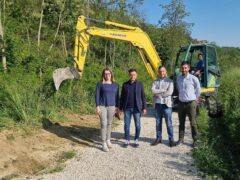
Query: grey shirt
pixel 188 87
pixel 162 90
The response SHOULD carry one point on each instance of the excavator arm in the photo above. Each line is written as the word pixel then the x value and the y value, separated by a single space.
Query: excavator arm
pixel 133 35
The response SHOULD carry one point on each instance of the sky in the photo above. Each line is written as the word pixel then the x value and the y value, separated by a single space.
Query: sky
pixel 214 20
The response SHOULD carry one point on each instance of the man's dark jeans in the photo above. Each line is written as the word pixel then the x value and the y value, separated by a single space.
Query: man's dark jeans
pixel 187 109
pixel 128 112
pixel 161 110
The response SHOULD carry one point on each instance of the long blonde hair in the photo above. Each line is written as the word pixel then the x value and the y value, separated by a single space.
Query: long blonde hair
pixel 103 72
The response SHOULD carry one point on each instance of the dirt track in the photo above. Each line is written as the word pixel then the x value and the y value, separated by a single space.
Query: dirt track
pixel 145 162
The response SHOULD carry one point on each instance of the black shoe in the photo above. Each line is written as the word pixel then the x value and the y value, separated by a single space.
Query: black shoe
pixel 135 145
pixel 179 142
pixel 172 143
pixel 156 142
pixel 125 145
pixel 195 142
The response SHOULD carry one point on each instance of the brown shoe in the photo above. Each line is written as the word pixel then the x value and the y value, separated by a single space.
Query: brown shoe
pixel 156 142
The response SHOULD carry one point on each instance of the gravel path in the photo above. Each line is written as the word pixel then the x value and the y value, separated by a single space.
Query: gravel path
pixel 144 162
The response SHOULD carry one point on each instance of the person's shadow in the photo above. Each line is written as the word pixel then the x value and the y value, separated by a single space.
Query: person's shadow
pixel 82 135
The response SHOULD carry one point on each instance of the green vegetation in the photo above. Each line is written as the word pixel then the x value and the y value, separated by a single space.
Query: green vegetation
pixel 66 155
pixel 217 154
pixel 38 37
pixel 59 164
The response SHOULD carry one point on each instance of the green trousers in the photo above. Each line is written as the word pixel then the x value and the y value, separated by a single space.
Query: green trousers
pixel 187 109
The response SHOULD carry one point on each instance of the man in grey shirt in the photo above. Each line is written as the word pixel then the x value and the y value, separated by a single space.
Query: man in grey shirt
pixel 189 92
pixel 162 89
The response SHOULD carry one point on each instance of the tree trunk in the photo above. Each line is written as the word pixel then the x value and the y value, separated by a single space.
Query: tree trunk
pixel 28 37
pixel 64 44
pixel 129 54
pixel 59 24
pixel 2 48
pixel 113 56
pixel 105 55
pixel 110 52
pixel 55 36
pixel 40 25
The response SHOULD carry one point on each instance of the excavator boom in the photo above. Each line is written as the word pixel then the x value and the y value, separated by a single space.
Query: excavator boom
pixel 133 35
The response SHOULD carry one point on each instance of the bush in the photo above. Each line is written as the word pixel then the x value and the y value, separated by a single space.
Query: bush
pixel 218 150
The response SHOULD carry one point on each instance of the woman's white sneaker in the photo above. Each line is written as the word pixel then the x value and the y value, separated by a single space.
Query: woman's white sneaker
pixel 109 144
pixel 105 147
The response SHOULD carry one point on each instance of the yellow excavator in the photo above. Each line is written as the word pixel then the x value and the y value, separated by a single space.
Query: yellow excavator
pixel 133 35
pixel 151 60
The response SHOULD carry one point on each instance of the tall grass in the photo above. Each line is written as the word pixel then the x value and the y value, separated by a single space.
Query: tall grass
pixel 26 98
pixel 218 152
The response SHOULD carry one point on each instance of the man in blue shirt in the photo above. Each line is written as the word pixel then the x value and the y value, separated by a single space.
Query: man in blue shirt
pixel 200 66
pixel 132 102
pixel 189 92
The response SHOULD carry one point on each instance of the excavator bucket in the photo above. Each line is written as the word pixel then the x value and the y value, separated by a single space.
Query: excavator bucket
pixel 61 74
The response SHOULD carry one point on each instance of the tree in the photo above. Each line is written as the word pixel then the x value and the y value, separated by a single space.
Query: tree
pixel 176 31
pixel 2 49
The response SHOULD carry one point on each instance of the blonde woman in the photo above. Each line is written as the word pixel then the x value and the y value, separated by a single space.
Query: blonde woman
pixel 106 105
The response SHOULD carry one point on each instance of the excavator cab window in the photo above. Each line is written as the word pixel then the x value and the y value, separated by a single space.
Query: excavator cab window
pixel 210 75
pixel 191 56
pixel 213 72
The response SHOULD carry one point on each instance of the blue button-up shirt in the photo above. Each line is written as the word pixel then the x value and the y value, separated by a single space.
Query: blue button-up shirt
pixel 188 87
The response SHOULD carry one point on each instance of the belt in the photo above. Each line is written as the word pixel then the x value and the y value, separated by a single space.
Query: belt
pixel 188 102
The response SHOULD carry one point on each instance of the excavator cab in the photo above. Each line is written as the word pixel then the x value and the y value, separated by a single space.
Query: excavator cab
pixel 210 74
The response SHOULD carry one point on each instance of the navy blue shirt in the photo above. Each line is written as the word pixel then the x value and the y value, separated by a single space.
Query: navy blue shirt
pixel 139 96
pixel 200 65
pixel 131 99
pixel 107 94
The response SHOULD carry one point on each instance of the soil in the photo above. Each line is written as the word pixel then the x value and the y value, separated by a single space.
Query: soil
pixel 34 150
pixel 144 162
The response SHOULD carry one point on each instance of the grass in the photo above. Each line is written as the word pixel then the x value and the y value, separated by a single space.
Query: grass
pixel 202 120
pixel 10 137
pixel 9 177
pixel 59 163
pixel 217 153
pixel 55 169
pixel 66 156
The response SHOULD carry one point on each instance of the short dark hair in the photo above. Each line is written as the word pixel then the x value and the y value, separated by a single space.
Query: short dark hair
pixel 132 70
pixel 185 63
pixel 200 54
pixel 161 67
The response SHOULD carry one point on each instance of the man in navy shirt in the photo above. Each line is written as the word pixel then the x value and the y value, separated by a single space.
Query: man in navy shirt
pixel 132 102
pixel 200 65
